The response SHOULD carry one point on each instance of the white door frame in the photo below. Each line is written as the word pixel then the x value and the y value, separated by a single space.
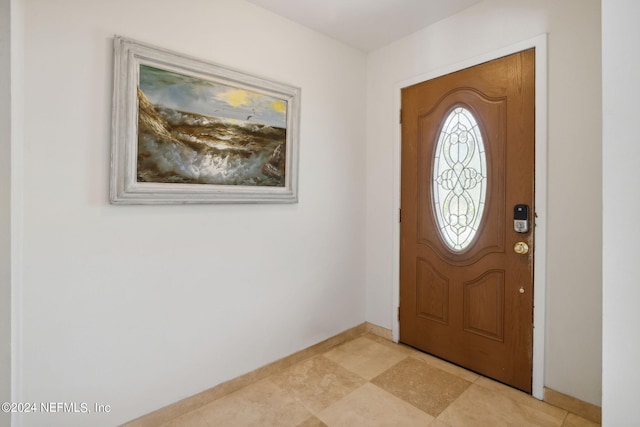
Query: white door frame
pixel 540 253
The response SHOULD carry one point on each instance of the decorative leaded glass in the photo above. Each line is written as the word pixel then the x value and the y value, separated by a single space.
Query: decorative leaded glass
pixel 459 179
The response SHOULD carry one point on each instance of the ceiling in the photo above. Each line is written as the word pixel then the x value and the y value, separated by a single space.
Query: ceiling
pixel 365 24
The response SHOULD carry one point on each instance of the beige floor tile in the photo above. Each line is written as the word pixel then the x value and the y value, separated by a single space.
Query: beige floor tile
pixel 317 383
pixel 573 420
pixel 312 422
pixel 523 399
pixel 380 340
pixel 370 406
pixel 422 385
pixel 260 404
pixel 407 388
pixel 480 406
pixel 365 357
pixel 446 366
pixel 190 419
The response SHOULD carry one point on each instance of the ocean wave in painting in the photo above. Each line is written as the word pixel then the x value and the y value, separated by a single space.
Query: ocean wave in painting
pixel 182 147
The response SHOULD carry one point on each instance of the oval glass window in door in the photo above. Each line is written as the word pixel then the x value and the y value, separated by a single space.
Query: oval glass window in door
pixel 459 179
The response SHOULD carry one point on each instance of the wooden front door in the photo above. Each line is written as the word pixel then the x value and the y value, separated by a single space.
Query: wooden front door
pixel 466 283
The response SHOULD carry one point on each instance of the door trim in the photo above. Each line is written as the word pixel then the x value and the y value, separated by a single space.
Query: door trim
pixel 540 254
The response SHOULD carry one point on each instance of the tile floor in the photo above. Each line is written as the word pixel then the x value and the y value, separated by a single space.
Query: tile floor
pixel 370 381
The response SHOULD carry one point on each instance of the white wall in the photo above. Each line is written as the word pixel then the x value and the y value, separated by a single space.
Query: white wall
pixel 621 151
pixel 5 206
pixel 139 306
pixel 573 336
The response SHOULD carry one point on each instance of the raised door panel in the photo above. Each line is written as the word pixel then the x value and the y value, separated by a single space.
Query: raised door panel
pixel 432 289
pixel 483 303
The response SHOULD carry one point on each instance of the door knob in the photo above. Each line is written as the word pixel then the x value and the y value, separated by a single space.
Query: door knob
pixel 521 248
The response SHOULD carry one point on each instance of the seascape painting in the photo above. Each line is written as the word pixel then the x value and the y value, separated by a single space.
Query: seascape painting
pixel 185 131
pixel 196 131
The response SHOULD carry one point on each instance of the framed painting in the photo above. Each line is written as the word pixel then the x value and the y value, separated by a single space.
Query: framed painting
pixel 190 131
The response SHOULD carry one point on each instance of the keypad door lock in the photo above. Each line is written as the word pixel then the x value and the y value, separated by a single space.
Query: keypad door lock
pixel 521 218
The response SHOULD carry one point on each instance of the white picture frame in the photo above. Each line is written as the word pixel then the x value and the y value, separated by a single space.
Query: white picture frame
pixel 190 131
